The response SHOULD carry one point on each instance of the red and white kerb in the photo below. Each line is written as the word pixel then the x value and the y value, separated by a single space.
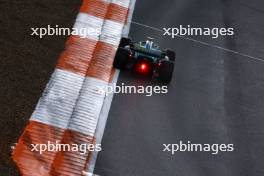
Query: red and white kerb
pixel 70 106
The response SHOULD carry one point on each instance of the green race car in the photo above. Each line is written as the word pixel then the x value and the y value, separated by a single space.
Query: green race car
pixel 145 58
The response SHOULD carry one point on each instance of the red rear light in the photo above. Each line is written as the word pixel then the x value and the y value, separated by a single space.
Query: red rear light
pixel 143 68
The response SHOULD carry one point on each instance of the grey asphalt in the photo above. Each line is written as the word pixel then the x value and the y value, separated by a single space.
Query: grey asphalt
pixel 215 96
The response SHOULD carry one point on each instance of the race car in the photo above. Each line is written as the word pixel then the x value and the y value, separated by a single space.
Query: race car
pixel 145 57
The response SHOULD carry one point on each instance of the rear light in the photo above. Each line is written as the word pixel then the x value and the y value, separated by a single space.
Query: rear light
pixel 143 68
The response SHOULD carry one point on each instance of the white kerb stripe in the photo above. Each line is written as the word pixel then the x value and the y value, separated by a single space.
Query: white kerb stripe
pixel 124 3
pixel 88 107
pixel 111 32
pixel 56 104
pixel 88 26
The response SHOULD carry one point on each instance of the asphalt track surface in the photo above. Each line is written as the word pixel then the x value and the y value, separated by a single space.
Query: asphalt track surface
pixel 215 96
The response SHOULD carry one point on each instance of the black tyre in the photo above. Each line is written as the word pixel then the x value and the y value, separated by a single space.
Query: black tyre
pixel 121 58
pixel 166 71
pixel 171 55
pixel 124 42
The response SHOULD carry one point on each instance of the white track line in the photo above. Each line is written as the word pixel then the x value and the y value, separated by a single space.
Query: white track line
pixel 203 43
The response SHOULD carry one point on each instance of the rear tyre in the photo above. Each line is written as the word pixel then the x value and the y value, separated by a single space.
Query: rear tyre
pixel 171 55
pixel 121 58
pixel 124 42
pixel 166 71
